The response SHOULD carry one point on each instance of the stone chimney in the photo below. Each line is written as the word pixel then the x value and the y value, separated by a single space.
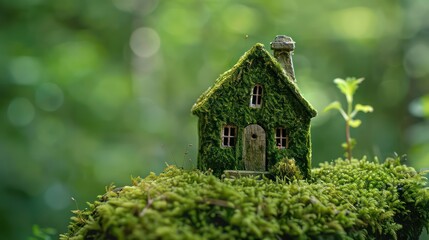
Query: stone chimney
pixel 283 47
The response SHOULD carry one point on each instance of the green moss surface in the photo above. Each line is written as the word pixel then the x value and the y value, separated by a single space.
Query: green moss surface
pixel 354 199
pixel 227 103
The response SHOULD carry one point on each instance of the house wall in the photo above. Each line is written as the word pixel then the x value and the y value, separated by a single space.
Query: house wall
pixel 230 105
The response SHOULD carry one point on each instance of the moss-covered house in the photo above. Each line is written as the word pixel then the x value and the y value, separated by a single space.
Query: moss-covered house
pixel 254 115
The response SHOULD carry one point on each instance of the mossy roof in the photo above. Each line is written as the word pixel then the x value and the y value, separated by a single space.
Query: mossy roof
pixel 258 52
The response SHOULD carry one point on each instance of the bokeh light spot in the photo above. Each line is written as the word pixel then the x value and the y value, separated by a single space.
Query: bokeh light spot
pixel 20 112
pixel 145 42
pixel 72 61
pixel 355 23
pixel 57 196
pixel 417 60
pixel 420 107
pixel 109 95
pixel 25 70
pixel 49 97
pixel 181 23
pixel 241 19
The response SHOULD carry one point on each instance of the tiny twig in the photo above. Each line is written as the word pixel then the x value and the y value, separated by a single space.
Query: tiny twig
pixel 217 202
pixel 149 203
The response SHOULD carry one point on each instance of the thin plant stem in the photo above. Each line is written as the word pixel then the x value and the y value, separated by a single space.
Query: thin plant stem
pixel 348 146
pixel 348 141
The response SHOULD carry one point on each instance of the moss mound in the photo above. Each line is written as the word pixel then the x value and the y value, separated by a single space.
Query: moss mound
pixel 354 199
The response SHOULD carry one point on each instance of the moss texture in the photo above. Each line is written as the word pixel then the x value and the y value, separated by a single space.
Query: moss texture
pixel 354 199
pixel 227 103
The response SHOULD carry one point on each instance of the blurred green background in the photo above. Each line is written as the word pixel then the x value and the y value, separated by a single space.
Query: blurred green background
pixel 94 92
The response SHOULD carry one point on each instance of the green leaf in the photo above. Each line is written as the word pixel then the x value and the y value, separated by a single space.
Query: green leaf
pixel 352 143
pixel 333 105
pixel 363 108
pixel 355 123
pixel 342 85
pixel 336 105
pixel 348 87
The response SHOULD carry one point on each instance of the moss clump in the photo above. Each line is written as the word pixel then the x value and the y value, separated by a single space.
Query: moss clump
pixel 354 199
pixel 286 170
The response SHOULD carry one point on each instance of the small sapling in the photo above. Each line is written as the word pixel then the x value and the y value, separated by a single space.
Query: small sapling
pixel 348 87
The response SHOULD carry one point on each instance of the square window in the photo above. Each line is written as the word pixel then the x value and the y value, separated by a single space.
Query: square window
pixel 282 138
pixel 256 97
pixel 229 136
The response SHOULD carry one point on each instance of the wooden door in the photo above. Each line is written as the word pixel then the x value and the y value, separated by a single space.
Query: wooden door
pixel 254 148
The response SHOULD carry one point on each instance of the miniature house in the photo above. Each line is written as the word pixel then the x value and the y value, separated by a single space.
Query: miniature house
pixel 254 115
